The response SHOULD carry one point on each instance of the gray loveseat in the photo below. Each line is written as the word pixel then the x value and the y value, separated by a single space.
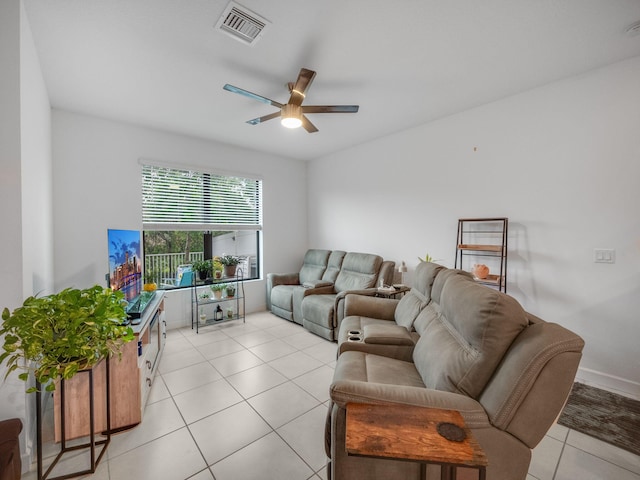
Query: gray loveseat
pixel 452 344
pixel 314 297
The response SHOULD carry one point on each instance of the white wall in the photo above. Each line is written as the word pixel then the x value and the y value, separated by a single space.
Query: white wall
pixel 97 186
pixel 562 162
pixel 26 251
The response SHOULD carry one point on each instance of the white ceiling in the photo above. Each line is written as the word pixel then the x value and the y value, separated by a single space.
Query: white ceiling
pixel 162 64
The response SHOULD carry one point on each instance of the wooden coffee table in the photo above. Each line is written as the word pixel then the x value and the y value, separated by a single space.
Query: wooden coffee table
pixel 405 432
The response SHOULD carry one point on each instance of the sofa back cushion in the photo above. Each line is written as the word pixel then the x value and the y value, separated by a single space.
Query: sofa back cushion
pixel 425 275
pixel 334 265
pixel 435 290
pixel 409 307
pixel 466 336
pixel 359 270
pixel 314 265
pixel 420 295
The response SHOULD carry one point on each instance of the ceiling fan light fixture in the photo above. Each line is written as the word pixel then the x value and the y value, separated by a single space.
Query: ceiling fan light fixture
pixel 291 116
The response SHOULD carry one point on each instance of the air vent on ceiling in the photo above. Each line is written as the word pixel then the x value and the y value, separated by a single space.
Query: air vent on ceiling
pixel 241 23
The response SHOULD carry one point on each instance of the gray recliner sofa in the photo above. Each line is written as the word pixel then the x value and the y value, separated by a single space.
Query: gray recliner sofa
pixel 323 306
pixel 475 350
pixel 314 296
pixel 280 286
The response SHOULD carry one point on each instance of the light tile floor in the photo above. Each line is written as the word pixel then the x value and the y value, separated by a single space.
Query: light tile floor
pixel 248 400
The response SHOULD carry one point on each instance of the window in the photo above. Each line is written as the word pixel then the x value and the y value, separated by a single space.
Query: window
pixel 190 215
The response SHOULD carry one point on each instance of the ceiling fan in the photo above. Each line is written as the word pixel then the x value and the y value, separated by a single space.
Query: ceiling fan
pixel 292 113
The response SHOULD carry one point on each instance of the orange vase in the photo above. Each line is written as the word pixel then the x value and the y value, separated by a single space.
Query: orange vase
pixel 480 271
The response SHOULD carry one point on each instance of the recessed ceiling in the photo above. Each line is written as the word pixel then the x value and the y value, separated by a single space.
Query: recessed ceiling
pixel 162 63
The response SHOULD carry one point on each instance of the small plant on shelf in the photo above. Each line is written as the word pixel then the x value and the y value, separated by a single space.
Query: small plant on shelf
pixel 150 284
pixel 230 263
pixel 231 290
pixel 203 267
pixel 217 267
pixel 217 289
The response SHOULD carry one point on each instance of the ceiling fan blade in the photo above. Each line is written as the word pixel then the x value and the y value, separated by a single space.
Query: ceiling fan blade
pixel 299 90
pixel 308 126
pixel 264 118
pixel 249 94
pixel 330 108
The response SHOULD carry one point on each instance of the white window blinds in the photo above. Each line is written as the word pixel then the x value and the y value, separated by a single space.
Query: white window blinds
pixel 174 199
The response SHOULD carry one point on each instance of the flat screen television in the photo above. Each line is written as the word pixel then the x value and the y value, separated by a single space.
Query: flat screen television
pixel 125 262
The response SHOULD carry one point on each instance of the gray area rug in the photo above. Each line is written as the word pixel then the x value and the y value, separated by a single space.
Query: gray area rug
pixel 603 415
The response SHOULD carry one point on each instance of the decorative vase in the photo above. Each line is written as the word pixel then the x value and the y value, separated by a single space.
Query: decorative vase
pixel 480 271
pixel 218 274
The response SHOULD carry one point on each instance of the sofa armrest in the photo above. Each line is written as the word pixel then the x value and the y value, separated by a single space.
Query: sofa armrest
pixel 338 307
pixel 370 306
pixel 350 391
pixel 10 461
pixel 391 334
pixel 323 290
pixel 317 284
pixel 275 279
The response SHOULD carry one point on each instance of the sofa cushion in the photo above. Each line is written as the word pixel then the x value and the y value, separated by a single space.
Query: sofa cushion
pixel 409 307
pixel 334 265
pixel 359 271
pixel 465 340
pixel 314 265
pixel 318 309
pixel 281 296
pixel 425 275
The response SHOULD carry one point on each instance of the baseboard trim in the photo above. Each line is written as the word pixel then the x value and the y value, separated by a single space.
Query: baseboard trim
pixel 608 382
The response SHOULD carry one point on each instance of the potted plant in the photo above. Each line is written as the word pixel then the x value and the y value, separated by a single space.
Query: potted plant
pixel 203 267
pixel 58 335
pixel 230 263
pixel 149 282
pixel 217 267
pixel 217 289
pixel 231 290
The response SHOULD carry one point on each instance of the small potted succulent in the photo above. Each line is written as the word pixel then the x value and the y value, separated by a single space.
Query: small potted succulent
pixel 58 335
pixel 230 263
pixel 231 290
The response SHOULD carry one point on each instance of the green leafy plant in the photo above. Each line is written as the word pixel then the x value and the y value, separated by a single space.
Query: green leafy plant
pixel 217 266
pixel 428 258
pixel 231 289
pixel 202 266
pixel 217 287
pixel 229 260
pixel 56 336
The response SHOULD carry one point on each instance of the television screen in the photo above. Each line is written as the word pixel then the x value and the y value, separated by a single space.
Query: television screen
pixel 125 262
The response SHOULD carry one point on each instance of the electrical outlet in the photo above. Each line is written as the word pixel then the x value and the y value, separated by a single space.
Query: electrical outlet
pixel 604 255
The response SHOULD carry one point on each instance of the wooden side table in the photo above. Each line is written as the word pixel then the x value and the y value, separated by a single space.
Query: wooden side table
pixel 405 432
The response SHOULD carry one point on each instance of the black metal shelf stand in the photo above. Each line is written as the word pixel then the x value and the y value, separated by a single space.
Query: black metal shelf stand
pixel 238 299
pixel 91 444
